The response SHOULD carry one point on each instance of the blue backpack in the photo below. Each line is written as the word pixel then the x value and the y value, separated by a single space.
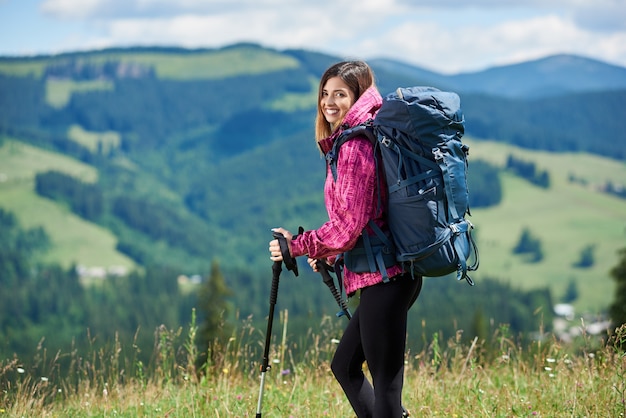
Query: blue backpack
pixel 417 133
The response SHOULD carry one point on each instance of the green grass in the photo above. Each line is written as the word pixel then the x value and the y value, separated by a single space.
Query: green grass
pixel 19 162
pixel 494 378
pixel 74 240
pixel 229 62
pixel 23 68
pixel 59 91
pixel 107 141
pixel 296 101
pixel 214 64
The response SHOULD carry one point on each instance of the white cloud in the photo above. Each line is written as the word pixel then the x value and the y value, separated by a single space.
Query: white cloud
pixel 453 49
pixel 306 26
pixel 69 9
pixel 447 35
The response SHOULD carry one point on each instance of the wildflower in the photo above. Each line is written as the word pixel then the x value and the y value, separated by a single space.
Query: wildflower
pixel 225 370
pixel 285 372
pixel 44 379
pixel 20 370
pixel 551 360
pixel 334 341
pixel 276 361
pixel 105 392
pixel 548 369
pixel 239 397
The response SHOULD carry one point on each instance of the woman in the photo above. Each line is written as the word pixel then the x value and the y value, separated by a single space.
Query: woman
pixel 377 331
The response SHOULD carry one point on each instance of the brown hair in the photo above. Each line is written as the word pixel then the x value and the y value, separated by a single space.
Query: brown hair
pixel 356 74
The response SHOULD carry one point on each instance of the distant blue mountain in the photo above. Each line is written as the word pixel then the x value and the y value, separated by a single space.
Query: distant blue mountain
pixel 547 77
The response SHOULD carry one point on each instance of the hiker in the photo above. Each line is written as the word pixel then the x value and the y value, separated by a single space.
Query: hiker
pixel 376 333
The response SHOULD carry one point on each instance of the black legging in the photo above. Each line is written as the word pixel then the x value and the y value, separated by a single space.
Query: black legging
pixel 377 334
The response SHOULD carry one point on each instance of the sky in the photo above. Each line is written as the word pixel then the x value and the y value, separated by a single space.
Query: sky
pixel 446 36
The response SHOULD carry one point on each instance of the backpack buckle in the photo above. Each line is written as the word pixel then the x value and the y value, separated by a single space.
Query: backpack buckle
pixel 385 141
pixel 437 154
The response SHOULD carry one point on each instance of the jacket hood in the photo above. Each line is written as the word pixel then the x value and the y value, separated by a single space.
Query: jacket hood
pixel 363 109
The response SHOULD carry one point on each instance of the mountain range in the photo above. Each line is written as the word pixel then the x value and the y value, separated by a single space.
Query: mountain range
pixel 551 76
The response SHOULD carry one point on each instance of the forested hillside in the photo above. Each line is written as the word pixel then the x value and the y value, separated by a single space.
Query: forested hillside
pixel 166 161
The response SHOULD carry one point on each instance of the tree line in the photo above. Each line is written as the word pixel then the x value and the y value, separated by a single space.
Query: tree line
pixel 45 304
pixel 50 305
pixel 46 301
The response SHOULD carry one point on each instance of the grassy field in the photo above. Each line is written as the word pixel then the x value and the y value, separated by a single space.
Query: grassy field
pixel 495 378
pixel 59 92
pixel 228 62
pixel 93 141
pixel 566 218
pixel 74 240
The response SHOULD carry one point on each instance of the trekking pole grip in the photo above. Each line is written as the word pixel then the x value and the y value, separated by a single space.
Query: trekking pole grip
pixel 289 261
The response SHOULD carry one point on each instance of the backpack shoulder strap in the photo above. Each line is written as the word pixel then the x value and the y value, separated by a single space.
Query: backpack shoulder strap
pixel 363 129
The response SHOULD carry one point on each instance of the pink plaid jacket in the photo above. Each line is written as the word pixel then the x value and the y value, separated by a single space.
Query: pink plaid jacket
pixel 351 201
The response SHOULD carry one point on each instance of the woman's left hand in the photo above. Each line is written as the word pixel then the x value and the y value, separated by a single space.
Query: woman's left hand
pixel 274 247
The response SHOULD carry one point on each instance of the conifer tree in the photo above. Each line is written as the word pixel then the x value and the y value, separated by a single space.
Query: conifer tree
pixel 617 310
pixel 214 309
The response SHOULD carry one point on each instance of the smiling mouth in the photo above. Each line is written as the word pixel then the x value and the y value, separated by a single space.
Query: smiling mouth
pixel 332 112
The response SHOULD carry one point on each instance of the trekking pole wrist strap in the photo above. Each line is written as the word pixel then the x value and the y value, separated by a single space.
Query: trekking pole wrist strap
pixel 290 262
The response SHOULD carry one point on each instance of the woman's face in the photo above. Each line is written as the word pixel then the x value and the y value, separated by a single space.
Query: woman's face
pixel 337 99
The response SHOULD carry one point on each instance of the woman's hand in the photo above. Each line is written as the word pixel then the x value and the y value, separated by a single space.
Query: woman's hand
pixel 274 247
pixel 313 263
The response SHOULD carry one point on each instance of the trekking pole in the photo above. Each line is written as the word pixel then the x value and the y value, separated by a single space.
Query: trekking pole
pixel 291 264
pixel 328 280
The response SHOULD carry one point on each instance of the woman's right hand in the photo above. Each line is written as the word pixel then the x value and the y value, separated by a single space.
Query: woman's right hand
pixel 274 246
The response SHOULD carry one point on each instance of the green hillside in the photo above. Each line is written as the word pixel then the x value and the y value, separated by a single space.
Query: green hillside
pixel 176 63
pixel 567 217
pixel 74 240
